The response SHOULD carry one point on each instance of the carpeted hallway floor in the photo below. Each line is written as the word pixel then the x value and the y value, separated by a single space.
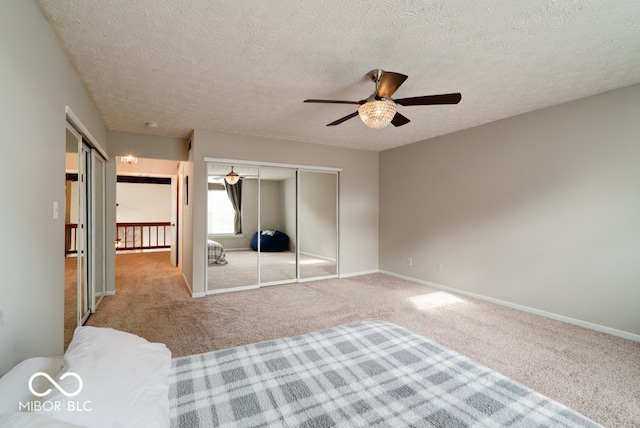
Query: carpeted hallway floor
pixel 594 373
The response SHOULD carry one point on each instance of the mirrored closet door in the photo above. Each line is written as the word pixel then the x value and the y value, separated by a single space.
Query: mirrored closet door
pixel 85 239
pixel 277 235
pixel 269 224
pixel 232 220
pixel 318 223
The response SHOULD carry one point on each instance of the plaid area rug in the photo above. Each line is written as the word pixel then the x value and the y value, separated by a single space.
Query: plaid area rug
pixel 358 375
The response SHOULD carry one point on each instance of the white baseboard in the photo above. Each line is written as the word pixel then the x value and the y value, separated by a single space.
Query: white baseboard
pixel 367 272
pixel 189 287
pixel 317 278
pixel 109 293
pixel 551 315
pixel 229 290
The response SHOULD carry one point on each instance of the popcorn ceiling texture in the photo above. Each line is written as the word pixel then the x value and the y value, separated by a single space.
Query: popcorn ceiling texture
pixel 246 66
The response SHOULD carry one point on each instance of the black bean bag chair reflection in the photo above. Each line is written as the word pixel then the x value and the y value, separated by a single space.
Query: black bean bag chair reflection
pixel 271 241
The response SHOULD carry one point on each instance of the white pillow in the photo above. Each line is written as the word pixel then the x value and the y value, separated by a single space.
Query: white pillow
pixel 125 381
pixel 31 420
pixel 14 385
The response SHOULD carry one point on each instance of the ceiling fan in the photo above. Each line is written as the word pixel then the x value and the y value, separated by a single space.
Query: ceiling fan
pixel 380 109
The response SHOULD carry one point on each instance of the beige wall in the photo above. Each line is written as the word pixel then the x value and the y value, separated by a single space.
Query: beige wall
pixel 143 202
pixel 36 83
pixel 358 192
pixel 540 210
pixel 147 146
pixel 148 167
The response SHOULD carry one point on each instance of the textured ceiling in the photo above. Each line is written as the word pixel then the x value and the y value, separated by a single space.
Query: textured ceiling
pixel 246 66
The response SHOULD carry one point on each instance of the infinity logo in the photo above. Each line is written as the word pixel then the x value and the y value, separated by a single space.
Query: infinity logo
pixel 58 387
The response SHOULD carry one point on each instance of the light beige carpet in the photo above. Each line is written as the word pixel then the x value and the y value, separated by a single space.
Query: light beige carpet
pixel 242 268
pixel 70 298
pixel 594 373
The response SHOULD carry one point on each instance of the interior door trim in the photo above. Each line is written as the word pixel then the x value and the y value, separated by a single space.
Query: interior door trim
pixel 75 122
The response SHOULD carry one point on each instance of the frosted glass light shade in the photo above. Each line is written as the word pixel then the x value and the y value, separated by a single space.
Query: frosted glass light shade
pixel 377 114
pixel 232 178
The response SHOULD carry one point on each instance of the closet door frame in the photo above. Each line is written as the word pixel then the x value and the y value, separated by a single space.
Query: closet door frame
pixel 98 237
pixel 85 226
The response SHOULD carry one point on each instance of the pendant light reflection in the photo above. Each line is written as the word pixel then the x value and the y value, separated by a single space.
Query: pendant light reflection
pixel 232 178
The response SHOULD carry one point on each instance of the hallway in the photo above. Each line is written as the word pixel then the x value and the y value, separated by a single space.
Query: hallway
pixel 143 281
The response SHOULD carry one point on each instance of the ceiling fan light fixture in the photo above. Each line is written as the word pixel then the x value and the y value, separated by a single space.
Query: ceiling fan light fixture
pixel 377 114
pixel 232 178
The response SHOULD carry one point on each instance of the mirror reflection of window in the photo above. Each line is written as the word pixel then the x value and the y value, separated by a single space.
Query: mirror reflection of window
pixel 220 213
pixel 231 264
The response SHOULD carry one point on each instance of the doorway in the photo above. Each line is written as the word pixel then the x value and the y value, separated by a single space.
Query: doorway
pixel 147 207
pixel 148 215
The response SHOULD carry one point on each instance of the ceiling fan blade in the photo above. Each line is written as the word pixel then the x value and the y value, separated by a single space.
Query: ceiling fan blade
pixel 333 102
pixel 343 119
pixel 430 100
pixel 389 83
pixel 399 120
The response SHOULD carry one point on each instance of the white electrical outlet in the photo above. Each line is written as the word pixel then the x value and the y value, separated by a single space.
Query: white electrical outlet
pixel 410 261
pixel 439 267
pixel 55 210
